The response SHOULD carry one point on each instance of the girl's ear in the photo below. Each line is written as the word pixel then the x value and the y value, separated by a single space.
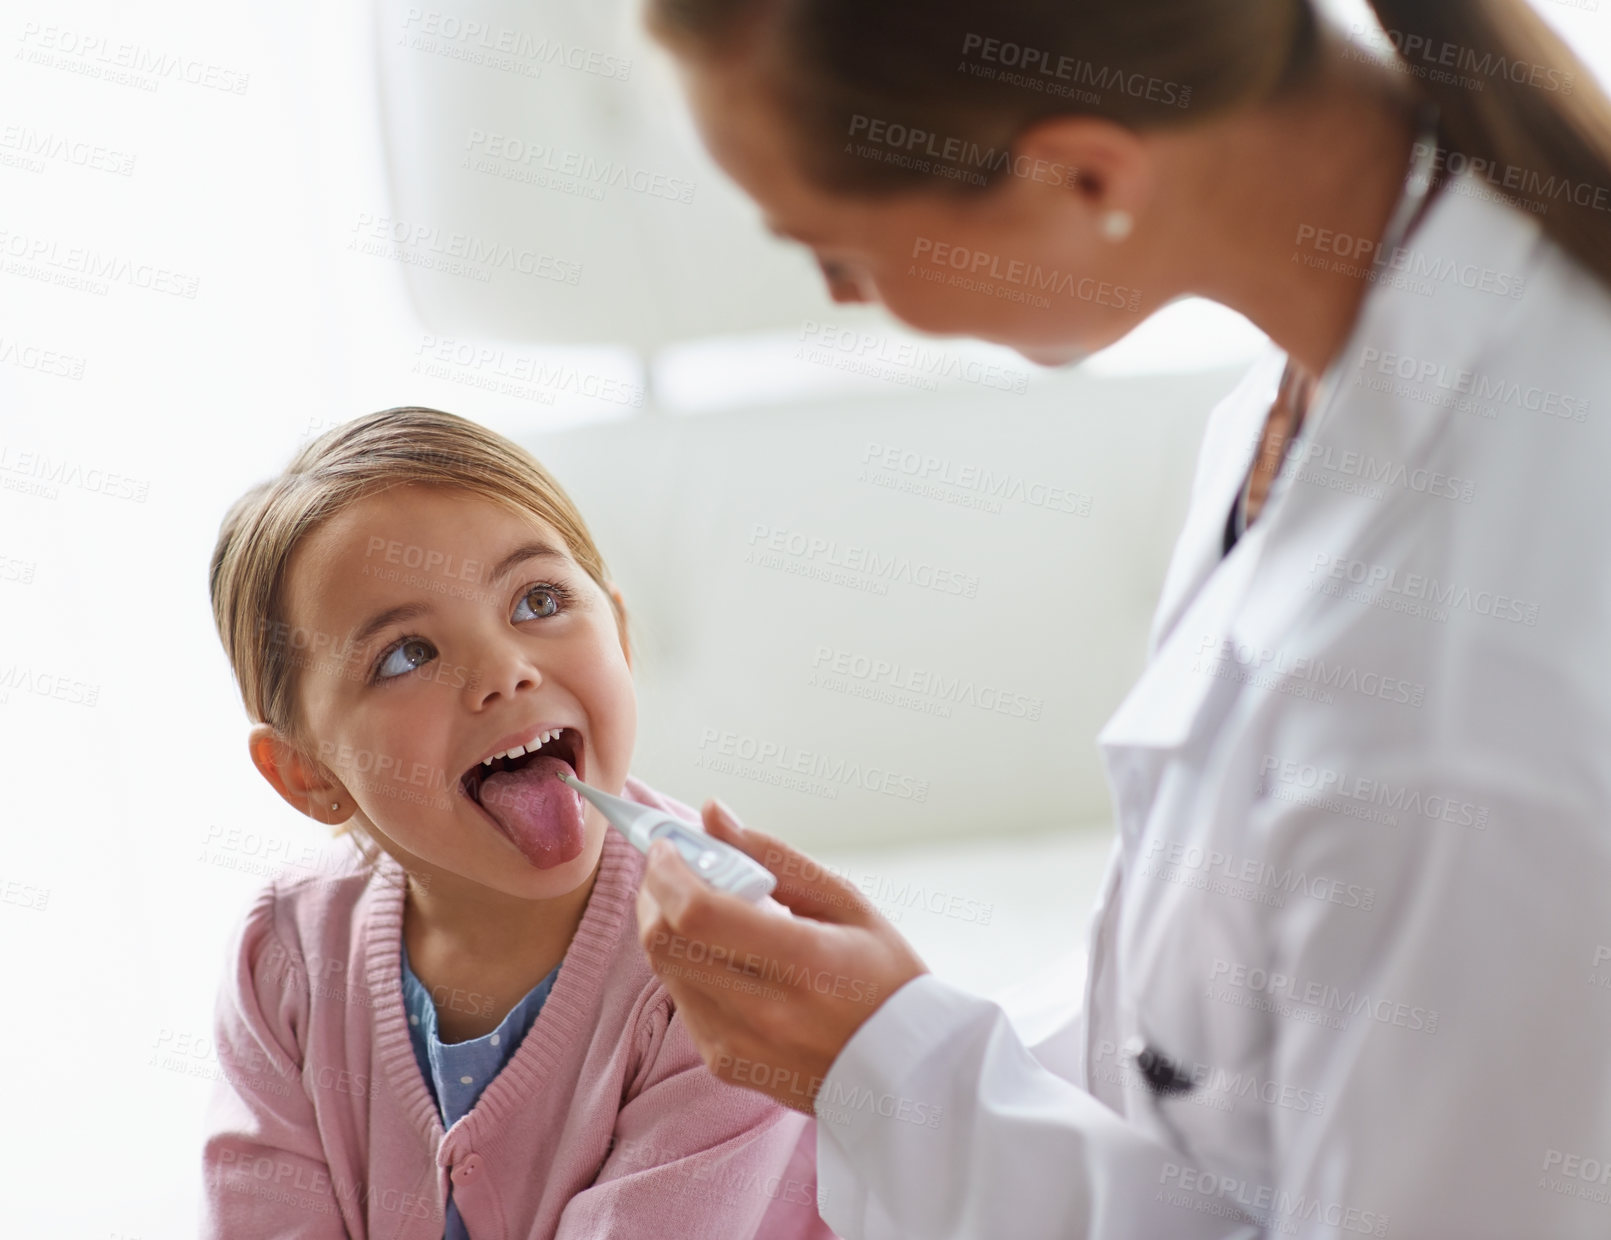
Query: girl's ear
pixel 303 783
pixel 621 628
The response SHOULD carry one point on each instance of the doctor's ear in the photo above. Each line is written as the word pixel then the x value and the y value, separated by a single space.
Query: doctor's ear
pixel 303 783
pixel 1105 166
pixel 621 622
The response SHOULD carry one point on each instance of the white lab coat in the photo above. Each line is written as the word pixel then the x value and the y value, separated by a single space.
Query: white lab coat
pixel 1357 921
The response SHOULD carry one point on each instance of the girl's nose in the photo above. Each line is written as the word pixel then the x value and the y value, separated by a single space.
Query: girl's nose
pixel 500 674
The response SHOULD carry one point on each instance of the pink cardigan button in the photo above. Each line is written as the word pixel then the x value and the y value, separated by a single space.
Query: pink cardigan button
pixel 467 1169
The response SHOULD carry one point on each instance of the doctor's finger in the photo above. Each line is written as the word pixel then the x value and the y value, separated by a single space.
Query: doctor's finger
pixel 768 1030
pixel 837 971
pixel 734 1050
pixel 693 918
pixel 806 887
pixel 866 953
pixel 719 1014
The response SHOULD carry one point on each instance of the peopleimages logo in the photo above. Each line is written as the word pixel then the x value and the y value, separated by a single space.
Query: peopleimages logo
pixel 476 364
pixel 958 152
pixel 774 546
pixel 518 158
pixel 1323 996
pixel 85 267
pixel 994 484
pixel 1424 589
pixel 1363 252
pixel 1037 65
pixel 116 60
pixel 1166 858
pixel 1470 383
pixel 14 352
pixel 1311 669
pixel 1535 190
pixel 476 42
pixel 1230 1084
pixel 36 146
pixel 1442 60
pixel 68 473
pixel 925 682
pixel 982 271
pixel 456 253
pixel 1309 783
pixel 1277 1210
pixel 724 751
pixel 847 348
pixel 1322 462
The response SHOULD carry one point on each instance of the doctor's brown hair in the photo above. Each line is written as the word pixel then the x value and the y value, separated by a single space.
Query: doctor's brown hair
pixel 393 448
pixel 1512 94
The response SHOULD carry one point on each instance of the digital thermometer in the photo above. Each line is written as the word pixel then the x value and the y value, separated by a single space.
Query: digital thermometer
pixel 721 865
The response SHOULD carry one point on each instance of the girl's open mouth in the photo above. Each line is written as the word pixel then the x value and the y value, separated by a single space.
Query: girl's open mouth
pixel 528 803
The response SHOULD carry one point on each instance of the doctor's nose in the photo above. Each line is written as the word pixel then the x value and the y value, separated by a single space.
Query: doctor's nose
pixel 843 285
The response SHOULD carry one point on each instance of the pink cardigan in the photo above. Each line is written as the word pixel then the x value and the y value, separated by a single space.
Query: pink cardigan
pixel 604 1123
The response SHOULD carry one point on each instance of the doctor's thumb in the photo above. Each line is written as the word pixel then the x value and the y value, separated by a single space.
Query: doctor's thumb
pixel 806 887
pixel 668 880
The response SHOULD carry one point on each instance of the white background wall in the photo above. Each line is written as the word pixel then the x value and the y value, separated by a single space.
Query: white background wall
pixel 148 411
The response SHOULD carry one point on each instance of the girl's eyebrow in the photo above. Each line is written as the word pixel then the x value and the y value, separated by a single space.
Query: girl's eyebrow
pixel 527 551
pixel 390 616
pixel 409 611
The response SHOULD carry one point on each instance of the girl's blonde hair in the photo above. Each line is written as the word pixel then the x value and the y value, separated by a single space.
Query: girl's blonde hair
pixel 352 462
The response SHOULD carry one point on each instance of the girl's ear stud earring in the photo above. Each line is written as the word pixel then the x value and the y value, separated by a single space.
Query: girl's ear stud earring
pixel 335 805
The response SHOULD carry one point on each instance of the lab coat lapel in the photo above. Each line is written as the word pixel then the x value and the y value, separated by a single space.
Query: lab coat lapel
pixel 1229 441
pixel 1365 406
pixel 1200 594
pixel 1200 591
pixel 1252 597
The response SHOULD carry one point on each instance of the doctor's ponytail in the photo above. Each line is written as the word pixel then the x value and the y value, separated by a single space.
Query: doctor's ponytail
pixel 888 95
pixel 1519 110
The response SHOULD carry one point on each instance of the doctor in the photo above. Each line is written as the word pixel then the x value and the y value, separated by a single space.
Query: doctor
pixel 1351 973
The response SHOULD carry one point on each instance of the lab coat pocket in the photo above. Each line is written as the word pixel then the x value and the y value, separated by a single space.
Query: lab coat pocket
pixel 1205 1101
pixel 1195 1056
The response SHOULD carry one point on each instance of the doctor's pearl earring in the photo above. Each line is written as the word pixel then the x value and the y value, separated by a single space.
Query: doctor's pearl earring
pixel 1117 225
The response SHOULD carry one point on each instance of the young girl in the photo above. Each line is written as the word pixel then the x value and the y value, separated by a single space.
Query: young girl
pixel 460 1035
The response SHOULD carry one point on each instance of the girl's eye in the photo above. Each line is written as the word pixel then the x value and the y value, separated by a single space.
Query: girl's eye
pixel 408 655
pixel 541 601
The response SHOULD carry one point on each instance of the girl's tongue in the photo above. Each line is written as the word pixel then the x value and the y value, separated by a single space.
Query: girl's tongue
pixel 537 810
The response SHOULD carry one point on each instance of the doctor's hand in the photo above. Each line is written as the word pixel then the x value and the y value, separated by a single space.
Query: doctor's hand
pixel 770 1000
